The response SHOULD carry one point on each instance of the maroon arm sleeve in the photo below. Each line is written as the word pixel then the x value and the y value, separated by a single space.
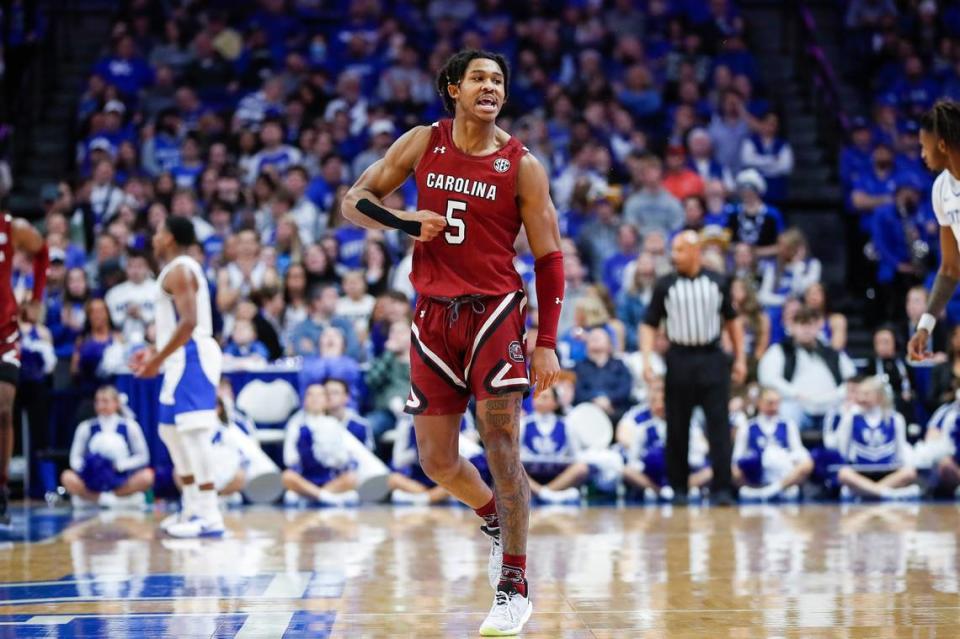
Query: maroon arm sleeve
pixel 41 260
pixel 550 283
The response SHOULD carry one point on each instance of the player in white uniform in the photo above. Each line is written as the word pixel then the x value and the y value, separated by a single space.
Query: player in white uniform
pixel 191 361
pixel 940 148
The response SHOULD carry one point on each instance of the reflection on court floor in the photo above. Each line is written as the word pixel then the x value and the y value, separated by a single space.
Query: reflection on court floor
pixel 755 571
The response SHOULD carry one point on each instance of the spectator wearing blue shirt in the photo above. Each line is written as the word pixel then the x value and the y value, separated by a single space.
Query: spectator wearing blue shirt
pixel 189 165
pixel 874 188
pixel 243 342
pixel 916 91
pixel 903 256
pixel 908 165
pixel 770 154
pixel 275 155
pixel 125 70
pixel 856 157
pixel 256 107
pixel 601 379
pixel 323 303
pixel 322 189
pixel 628 247
pixel 331 362
pixel 161 150
pixel 635 297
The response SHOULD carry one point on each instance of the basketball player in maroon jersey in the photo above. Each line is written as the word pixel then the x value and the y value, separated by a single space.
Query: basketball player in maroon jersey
pixel 15 235
pixel 477 185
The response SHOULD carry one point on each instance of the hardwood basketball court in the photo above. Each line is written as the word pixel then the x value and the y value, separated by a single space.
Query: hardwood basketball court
pixel 877 571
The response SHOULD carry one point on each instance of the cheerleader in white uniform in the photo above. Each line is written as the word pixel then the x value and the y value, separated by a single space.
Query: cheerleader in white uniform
pixel 769 459
pixel 109 457
pixel 872 438
pixel 320 455
pixel 643 435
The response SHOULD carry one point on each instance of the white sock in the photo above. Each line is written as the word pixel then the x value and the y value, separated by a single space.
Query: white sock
pixel 209 505
pixel 189 498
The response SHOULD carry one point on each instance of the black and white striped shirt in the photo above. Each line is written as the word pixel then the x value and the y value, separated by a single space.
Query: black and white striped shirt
pixel 694 308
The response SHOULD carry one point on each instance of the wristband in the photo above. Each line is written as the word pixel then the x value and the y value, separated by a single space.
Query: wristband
pixel 926 323
pixel 385 217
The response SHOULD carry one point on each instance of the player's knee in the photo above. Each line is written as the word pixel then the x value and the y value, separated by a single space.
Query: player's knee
pixel 909 473
pixel 805 467
pixel 440 468
pixel 846 475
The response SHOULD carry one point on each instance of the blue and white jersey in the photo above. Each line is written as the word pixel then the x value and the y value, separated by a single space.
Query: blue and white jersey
pixel 37 357
pixel 281 159
pixel 188 395
pixel 831 423
pixel 875 437
pixel 764 433
pixel 228 455
pixel 946 202
pixel 318 446
pixel 112 437
pixel 544 438
pixel 946 421
pixel 359 427
pixel 649 432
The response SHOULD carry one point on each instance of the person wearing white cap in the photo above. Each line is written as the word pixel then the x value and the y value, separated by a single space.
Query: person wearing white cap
pixel 752 221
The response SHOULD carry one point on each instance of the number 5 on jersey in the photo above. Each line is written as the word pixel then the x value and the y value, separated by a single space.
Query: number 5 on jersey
pixel 458 228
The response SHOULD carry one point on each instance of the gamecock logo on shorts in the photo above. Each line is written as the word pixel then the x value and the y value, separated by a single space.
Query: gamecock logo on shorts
pixel 515 350
pixel 501 165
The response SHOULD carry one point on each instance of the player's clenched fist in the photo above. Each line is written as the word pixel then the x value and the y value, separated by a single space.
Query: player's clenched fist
pixel 431 224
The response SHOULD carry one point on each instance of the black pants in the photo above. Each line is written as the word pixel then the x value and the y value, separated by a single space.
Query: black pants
pixel 698 377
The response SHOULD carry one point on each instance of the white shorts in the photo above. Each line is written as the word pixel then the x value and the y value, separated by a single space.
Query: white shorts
pixel 188 395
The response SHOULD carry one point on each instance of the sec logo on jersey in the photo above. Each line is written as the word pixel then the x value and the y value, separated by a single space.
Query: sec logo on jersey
pixel 501 165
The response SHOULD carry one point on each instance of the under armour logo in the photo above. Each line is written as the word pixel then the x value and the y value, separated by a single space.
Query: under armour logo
pixel 422 314
pixel 439 149
pixel 558 300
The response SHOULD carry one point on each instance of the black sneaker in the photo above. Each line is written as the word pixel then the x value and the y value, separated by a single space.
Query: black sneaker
pixel 4 502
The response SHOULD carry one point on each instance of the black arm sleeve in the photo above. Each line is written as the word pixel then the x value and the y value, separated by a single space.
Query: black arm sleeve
pixel 657 309
pixel 385 217
pixel 726 305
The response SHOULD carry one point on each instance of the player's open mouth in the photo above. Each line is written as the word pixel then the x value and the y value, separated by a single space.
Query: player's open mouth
pixel 487 103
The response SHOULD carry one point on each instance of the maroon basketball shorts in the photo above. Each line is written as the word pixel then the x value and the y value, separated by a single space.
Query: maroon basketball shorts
pixel 471 345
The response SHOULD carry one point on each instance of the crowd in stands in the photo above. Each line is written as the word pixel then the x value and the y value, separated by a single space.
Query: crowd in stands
pixel 252 120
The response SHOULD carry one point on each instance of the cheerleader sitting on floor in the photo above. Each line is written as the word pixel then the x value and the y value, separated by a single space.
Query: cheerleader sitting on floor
pixel 108 458
pixel 769 459
pixel 645 451
pixel 320 455
pixel 872 438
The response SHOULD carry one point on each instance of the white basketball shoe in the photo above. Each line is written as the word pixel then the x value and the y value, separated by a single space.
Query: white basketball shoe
pixel 510 612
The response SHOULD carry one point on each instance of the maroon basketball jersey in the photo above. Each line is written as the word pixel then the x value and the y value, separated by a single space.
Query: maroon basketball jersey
pixel 478 196
pixel 9 327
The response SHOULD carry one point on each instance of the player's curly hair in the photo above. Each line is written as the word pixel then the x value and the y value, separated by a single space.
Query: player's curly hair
pixel 456 66
pixel 943 121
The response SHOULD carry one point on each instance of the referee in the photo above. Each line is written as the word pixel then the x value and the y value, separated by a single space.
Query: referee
pixel 695 304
